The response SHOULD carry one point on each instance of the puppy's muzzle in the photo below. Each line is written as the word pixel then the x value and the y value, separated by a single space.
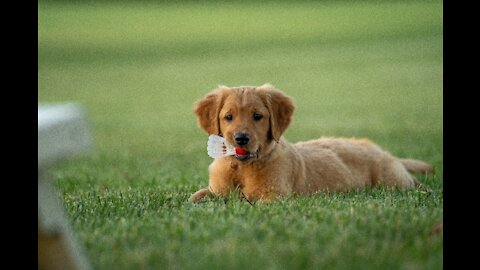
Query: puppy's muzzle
pixel 241 138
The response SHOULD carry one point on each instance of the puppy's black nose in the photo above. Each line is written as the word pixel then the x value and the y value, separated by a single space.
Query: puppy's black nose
pixel 241 138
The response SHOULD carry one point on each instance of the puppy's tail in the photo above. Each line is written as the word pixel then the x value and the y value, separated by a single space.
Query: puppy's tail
pixel 416 166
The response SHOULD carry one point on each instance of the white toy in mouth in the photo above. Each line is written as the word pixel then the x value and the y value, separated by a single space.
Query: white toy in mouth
pixel 218 147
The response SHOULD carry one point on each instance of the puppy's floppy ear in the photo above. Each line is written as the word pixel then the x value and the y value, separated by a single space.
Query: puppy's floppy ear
pixel 280 108
pixel 208 109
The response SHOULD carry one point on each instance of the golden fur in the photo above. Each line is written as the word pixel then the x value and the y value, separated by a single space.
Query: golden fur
pixel 281 168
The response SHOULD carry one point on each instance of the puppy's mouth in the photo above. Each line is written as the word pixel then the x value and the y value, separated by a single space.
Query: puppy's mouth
pixel 243 154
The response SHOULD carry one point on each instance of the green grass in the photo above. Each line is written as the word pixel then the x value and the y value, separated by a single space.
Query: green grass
pixel 364 69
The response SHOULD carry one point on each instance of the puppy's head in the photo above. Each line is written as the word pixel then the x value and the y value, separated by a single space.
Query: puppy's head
pixel 249 118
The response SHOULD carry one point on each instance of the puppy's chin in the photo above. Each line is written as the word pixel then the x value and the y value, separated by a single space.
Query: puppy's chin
pixel 263 150
pixel 242 158
pixel 258 155
pixel 250 156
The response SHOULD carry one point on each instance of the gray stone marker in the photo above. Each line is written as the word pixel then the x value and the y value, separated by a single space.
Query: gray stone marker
pixel 62 134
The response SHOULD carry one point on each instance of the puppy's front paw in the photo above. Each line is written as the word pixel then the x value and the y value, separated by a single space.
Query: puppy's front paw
pixel 197 196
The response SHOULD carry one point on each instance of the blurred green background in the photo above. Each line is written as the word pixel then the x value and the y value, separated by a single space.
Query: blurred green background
pixel 354 68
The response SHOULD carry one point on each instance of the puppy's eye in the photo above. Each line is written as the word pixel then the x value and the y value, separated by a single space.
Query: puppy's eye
pixel 228 117
pixel 257 116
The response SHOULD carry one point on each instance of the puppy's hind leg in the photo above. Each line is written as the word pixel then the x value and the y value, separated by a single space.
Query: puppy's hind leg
pixel 394 174
pixel 417 166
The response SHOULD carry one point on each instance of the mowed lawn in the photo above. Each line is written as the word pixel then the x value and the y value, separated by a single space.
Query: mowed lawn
pixel 355 69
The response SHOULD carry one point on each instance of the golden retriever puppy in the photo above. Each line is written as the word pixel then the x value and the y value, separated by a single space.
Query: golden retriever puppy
pixel 266 166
